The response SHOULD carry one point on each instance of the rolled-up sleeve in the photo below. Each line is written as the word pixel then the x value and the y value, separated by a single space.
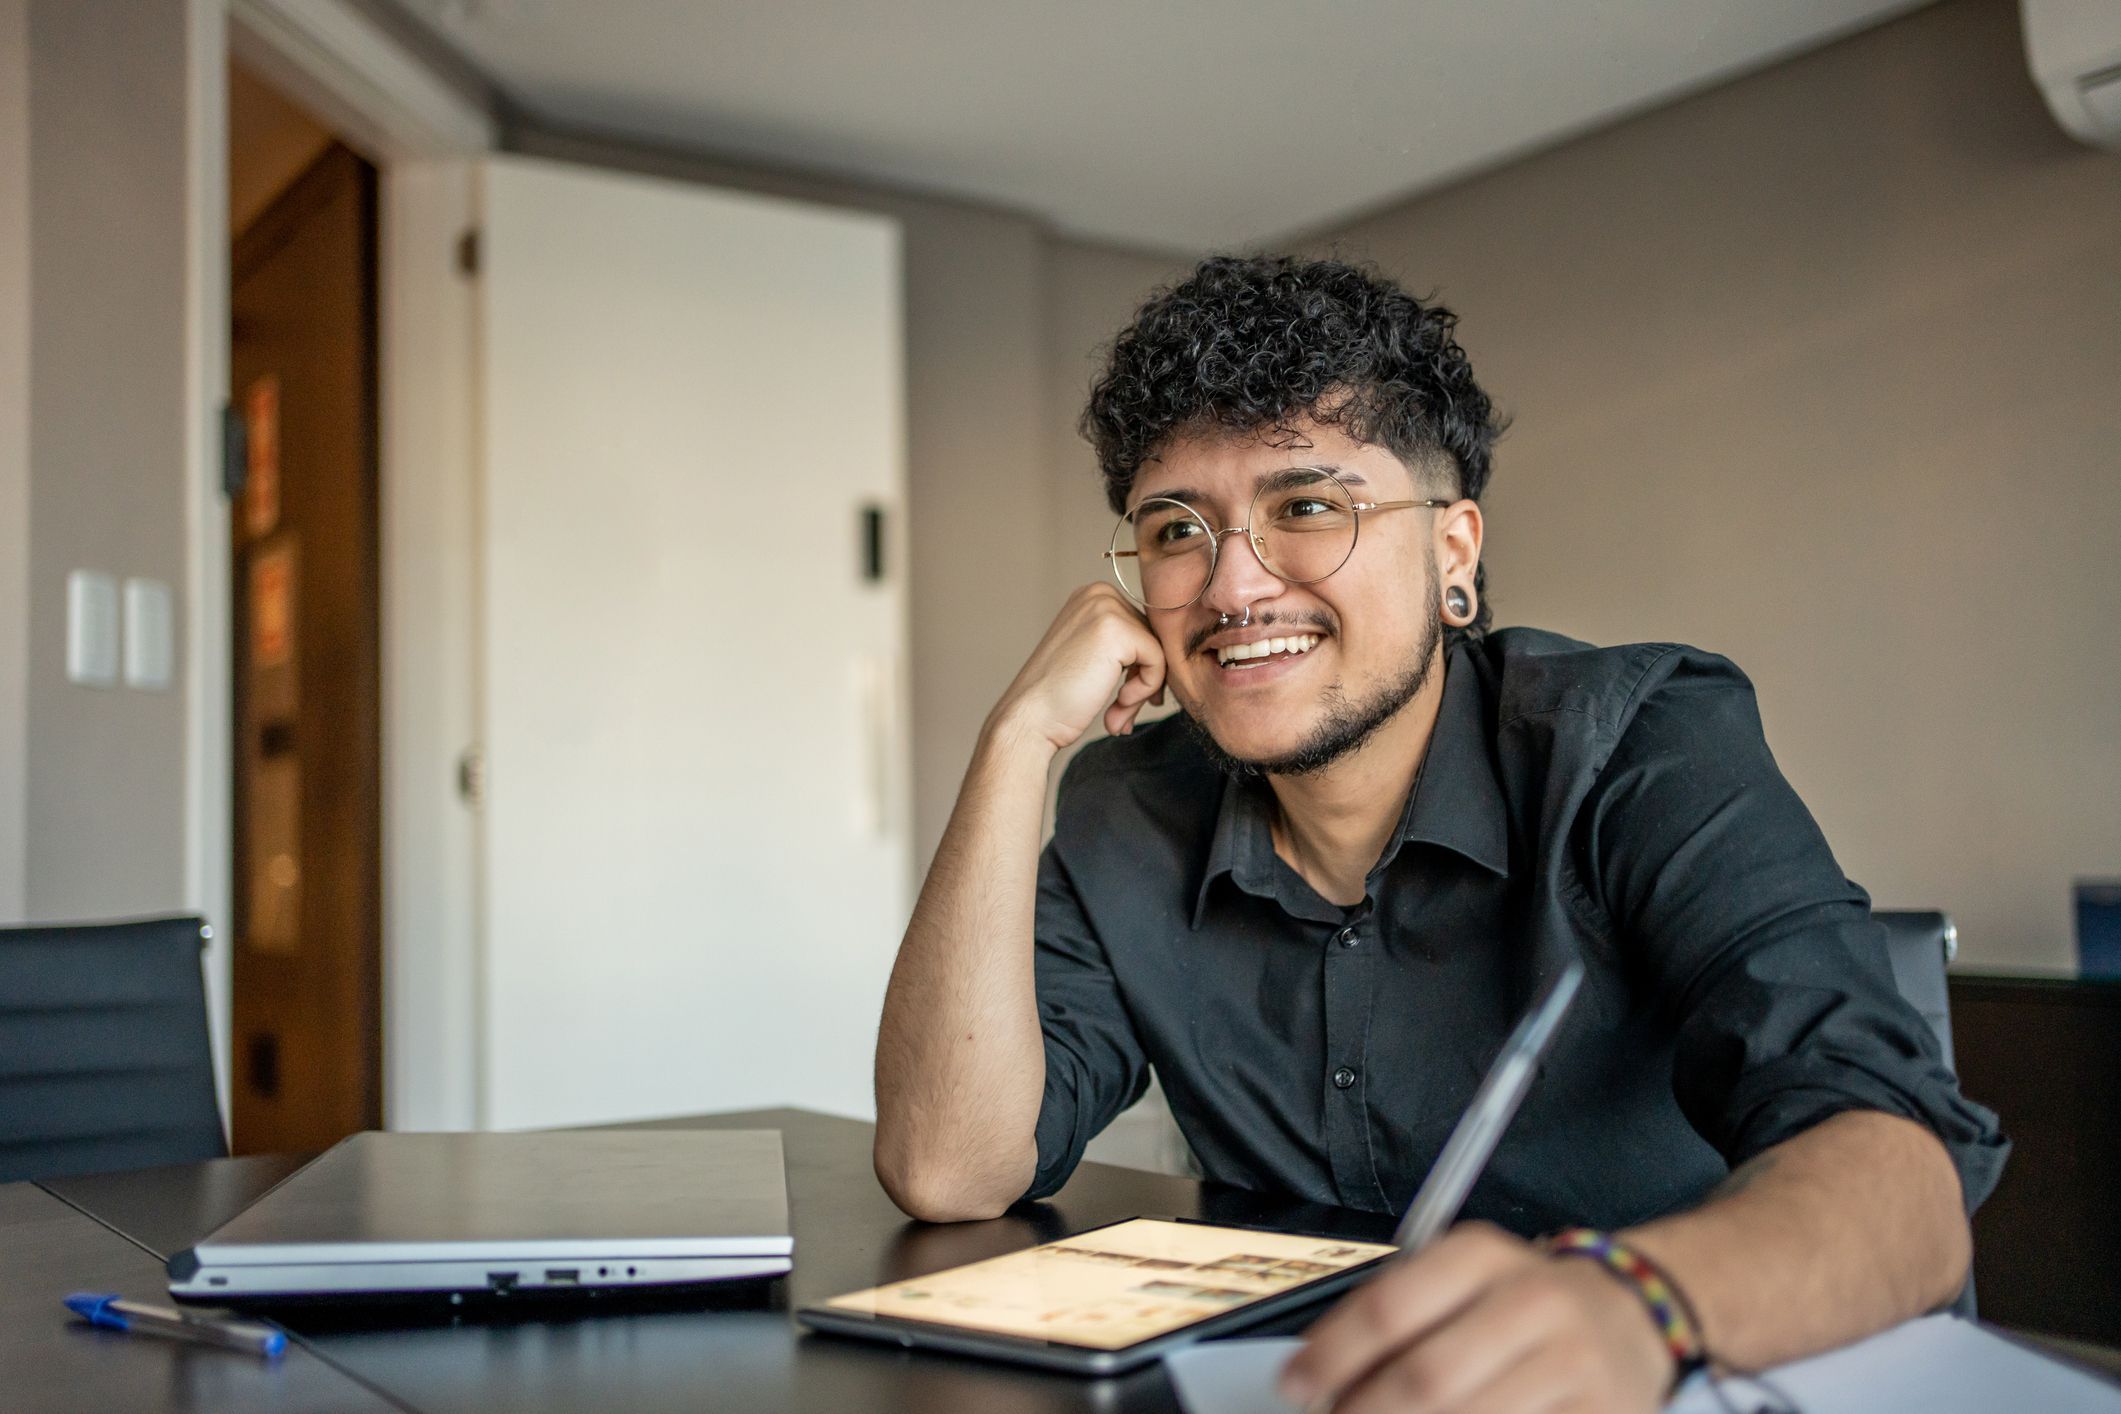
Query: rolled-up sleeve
pixel 1724 895
pixel 1094 1063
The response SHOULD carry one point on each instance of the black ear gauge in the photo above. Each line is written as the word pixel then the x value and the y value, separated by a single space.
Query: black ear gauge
pixel 1457 603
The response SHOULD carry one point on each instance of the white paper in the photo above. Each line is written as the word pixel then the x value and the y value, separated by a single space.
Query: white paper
pixel 1937 1365
pixel 1231 1376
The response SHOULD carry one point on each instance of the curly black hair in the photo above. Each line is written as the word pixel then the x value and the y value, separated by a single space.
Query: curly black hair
pixel 1251 344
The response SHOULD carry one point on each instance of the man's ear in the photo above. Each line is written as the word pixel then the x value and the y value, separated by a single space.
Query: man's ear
pixel 1459 532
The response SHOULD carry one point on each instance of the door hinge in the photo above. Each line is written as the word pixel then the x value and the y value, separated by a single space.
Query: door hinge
pixel 468 252
pixel 235 451
pixel 471 777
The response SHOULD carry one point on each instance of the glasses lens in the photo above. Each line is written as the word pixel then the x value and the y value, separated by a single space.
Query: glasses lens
pixel 1172 552
pixel 1305 521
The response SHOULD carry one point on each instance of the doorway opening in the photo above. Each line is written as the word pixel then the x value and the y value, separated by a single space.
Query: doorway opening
pixel 305 598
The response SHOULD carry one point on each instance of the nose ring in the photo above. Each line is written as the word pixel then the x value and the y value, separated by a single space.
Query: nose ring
pixel 1225 621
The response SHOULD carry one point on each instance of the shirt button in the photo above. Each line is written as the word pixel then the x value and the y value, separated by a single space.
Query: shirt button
pixel 1347 937
pixel 1343 1078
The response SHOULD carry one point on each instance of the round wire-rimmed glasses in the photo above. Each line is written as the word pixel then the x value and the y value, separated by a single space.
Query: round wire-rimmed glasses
pixel 1303 525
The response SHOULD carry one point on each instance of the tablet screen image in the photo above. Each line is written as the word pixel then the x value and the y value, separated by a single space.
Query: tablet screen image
pixel 1116 1286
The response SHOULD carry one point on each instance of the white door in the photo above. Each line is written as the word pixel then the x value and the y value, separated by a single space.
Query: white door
pixel 695 847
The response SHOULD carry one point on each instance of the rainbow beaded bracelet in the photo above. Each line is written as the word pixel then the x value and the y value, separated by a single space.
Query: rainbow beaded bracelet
pixel 1667 1305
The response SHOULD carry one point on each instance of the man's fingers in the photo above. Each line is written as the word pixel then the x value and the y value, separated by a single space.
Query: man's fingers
pixel 1507 1325
pixel 1142 682
pixel 1135 688
pixel 1410 1297
pixel 1067 683
pixel 1553 1378
pixel 1544 1383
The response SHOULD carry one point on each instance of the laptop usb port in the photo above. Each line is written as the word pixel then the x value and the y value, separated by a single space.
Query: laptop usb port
pixel 502 1281
pixel 563 1276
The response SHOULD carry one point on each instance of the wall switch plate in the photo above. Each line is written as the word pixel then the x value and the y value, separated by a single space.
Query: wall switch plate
pixel 150 634
pixel 91 629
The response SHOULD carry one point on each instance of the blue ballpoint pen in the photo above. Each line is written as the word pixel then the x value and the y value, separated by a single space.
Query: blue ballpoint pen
pixel 114 1313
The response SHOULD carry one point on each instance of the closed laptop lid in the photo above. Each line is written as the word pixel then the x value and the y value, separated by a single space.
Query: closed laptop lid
pixel 437 1197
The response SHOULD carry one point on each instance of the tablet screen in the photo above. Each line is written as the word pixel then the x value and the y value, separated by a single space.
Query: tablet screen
pixel 1116 1286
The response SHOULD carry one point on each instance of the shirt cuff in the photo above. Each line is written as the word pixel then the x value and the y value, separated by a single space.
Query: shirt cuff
pixel 1781 1101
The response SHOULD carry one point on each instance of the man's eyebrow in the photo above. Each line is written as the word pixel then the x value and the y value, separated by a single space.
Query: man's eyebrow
pixel 1266 480
pixel 1296 475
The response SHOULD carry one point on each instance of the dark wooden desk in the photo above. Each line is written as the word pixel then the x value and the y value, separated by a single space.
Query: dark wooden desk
pixel 707 1354
pixel 48 1360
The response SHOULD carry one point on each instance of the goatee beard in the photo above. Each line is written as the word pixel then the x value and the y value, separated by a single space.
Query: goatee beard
pixel 1346 726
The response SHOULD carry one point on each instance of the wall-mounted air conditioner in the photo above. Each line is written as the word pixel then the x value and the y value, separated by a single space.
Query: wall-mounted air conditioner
pixel 2074 48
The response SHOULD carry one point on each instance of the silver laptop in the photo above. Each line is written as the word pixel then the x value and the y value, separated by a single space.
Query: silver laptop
pixel 400 1214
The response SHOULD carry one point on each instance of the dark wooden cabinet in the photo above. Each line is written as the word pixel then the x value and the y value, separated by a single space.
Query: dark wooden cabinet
pixel 2045 1054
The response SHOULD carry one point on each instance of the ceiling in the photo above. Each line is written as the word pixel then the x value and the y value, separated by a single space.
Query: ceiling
pixel 1174 125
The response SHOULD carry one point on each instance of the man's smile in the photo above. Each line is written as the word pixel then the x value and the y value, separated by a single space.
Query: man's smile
pixel 1255 652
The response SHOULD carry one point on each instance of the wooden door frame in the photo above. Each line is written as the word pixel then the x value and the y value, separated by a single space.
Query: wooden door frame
pixel 418 128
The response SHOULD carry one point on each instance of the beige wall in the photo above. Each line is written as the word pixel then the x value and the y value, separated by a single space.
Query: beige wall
pixel 1778 351
pixel 106 212
pixel 14 444
pixel 1092 292
pixel 1820 370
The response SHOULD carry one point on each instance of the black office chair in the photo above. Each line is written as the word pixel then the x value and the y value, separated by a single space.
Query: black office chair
pixel 104 1059
pixel 1919 945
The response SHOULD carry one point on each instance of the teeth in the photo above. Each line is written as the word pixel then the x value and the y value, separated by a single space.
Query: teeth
pixel 1266 648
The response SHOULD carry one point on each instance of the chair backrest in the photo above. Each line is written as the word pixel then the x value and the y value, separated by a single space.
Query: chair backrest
pixel 1919 944
pixel 104 1058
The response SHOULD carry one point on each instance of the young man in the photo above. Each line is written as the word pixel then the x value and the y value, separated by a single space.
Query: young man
pixel 1315 901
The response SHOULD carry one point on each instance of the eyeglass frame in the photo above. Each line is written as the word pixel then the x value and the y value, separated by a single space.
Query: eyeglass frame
pixel 1215 538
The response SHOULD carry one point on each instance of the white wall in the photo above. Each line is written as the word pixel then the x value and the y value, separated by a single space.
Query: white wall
pixel 14 449
pixel 980 433
pixel 652 524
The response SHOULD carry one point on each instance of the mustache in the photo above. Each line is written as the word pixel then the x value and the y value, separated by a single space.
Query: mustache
pixel 1271 618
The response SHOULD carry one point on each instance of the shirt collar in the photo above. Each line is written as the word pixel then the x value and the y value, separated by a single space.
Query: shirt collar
pixel 1457 801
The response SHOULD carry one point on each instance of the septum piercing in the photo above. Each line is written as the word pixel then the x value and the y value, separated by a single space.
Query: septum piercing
pixel 1225 621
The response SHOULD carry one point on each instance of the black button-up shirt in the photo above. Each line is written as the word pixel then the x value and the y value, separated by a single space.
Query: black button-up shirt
pixel 1618 805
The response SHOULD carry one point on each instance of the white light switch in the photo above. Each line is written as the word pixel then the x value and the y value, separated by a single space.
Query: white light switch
pixel 150 634
pixel 91 629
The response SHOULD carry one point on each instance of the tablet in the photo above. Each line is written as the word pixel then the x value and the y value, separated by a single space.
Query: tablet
pixel 1107 1299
